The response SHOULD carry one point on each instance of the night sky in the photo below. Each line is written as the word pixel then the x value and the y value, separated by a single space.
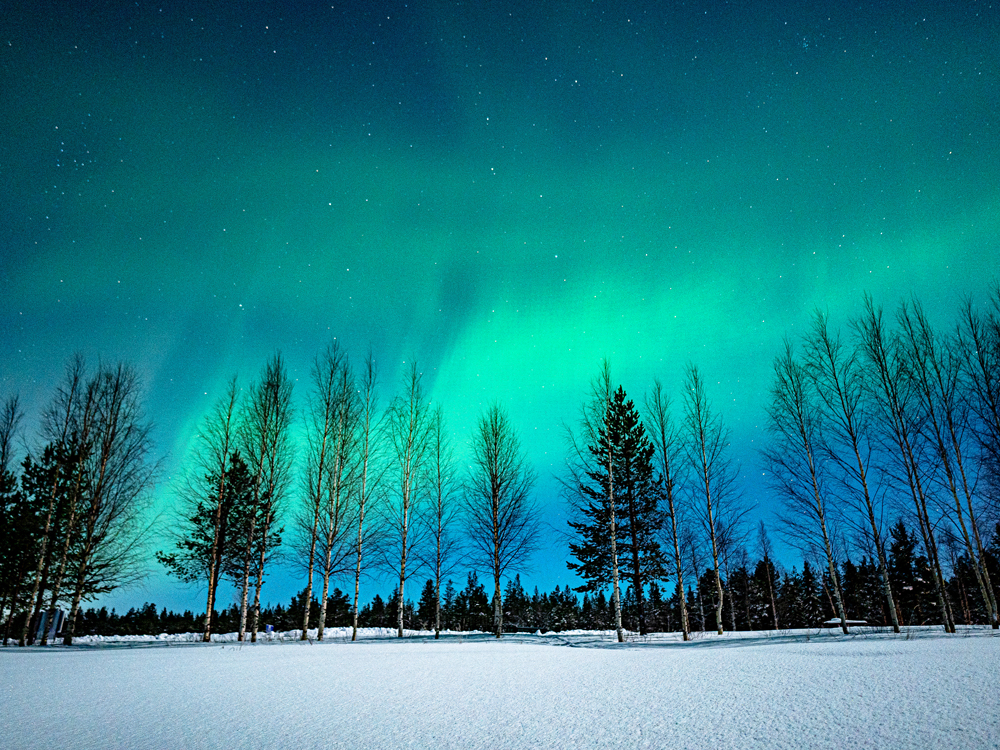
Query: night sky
pixel 506 192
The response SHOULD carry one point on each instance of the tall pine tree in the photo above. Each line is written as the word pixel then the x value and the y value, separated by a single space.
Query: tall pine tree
pixel 636 506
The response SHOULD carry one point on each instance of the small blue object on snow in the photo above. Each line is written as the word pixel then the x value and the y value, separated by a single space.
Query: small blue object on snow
pixel 269 628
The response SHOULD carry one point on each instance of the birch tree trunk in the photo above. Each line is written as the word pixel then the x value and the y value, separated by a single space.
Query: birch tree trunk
pixel 119 479
pixel 368 425
pixel 408 429
pixel 501 518
pixel 666 439
pixel 936 374
pixel 840 384
pixel 218 440
pixel 264 540
pixel 707 442
pixel 247 560
pixel 895 396
pixel 796 424
pixel 441 480
pixel 267 448
pixel 64 416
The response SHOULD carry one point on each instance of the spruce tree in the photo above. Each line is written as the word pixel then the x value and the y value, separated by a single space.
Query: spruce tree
pixel 765 580
pixel 811 598
pixel 427 606
pixel 19 537
pixel 207 544
pixel 515 603
pixel 902 573
pixel 636 505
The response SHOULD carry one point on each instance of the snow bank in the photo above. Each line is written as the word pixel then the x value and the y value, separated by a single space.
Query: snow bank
pixel 814 689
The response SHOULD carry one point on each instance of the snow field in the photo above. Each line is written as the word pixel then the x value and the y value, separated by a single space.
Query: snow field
pixel 523 692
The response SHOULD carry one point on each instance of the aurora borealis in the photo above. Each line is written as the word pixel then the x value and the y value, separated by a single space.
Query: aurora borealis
pixel 507 192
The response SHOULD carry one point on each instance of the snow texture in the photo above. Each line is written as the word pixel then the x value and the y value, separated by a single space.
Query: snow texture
pixel 790 689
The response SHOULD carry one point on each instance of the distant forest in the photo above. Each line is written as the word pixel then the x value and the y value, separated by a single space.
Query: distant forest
pixel 883 450
pixel 801 600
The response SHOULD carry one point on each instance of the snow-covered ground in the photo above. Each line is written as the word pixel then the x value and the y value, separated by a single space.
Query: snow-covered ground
pixel 792 689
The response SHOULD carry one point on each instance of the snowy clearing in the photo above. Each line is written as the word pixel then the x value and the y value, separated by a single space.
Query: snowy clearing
pixel 791 689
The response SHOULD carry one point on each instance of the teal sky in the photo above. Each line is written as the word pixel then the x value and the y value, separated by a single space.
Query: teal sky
pixel 505 194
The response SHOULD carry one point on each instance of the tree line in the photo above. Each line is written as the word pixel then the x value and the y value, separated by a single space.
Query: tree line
pixel 366 491
pixel 889 424
pixel 762 597
pixel 891 421
pixel 72 525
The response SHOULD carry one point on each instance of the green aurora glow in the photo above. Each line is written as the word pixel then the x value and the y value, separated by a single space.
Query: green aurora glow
pixel 507 195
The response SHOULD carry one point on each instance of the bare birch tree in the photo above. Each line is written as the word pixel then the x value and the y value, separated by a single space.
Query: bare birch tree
pixel 839 381
pixel 267 449
pixel 107 553
pixel 707 444
pixel 368 474
pixel 798 470
pixel 408 423
pixel 320 417
pixel 937 368
pixel 500 516
pixel 65 427
pixel 667 440
pixel 329 440
pixel 906 452
pixel 218 441
pixel 442 555
pixel 80 445
pixel 979 342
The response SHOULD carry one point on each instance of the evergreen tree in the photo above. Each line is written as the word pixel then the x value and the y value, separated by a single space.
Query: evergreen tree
pixel 912 580
pixel 708 591
pixel 740 586
pixel 19 537
pixel 963 588
pixel 790 604
pixel 587 620
pixel 603 614
pixel 629 610
pixel 448 606
pixel 338 610
pixel 639 494
pixel 656 616
pixel 812 611
pixel 373 614
pixel 636 506
pixel 472 606
pixel 207 544
pixel 515 603
pixel 695 610
pixel 427 606
pixel 765 579
pixel 298 604
pixel 863 592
